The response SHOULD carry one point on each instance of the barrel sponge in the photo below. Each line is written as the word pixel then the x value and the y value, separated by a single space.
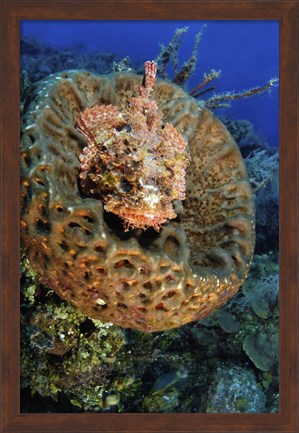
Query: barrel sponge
pixel 143 280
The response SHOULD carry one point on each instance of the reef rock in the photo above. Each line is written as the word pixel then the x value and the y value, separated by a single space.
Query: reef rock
pixel 235 390
pixel 137 279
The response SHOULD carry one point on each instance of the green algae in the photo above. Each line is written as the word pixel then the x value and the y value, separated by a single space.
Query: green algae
pixel 262 349
pixel 65 352
pixel 228 322
pixel 165 402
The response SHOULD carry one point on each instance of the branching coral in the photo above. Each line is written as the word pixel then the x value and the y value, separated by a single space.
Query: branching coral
pixel 208 77
pixel 221 100
pixel 188 67
pixel 170 54
pixel 261 168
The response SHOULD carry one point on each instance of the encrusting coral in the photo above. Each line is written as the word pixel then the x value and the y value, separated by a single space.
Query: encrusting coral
pixel 137 279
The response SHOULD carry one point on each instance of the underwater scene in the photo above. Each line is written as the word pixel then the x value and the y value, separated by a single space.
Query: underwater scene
pixel 149 216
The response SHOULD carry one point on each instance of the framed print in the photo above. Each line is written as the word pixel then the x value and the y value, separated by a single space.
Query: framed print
pixel 155 187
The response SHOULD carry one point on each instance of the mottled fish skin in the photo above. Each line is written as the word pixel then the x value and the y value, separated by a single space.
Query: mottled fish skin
pixel 132 162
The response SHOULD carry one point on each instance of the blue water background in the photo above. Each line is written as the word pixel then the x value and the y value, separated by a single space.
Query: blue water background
pixel 247 52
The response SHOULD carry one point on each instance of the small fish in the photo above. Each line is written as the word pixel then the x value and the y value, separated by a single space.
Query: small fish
pixel 165 381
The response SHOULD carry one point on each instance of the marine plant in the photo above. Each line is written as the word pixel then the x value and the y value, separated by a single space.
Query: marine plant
pixel 263 349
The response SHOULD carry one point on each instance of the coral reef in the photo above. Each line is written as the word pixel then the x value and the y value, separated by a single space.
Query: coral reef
pixel 63 352
pixel 261 290
pixel 261 168
pixel 262 349
pixel 267 217
pixel 149 282
pixel 39 60
pixel 262 163
pixel 262 294
pixel 72 363
pixel 123 65
pixel 262 160
pixel 235 390
pixel 165 403
pixel 87 365
pixel 248 140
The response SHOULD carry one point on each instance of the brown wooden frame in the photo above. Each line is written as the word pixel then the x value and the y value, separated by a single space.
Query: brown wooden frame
pixel 283 10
